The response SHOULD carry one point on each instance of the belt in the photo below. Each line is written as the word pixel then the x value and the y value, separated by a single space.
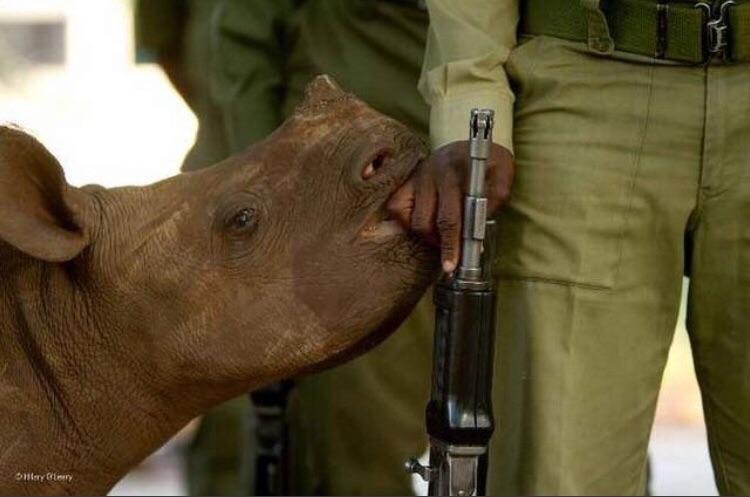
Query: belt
pixel 694 32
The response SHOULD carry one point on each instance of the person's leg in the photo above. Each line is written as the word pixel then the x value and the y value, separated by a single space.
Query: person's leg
pixel 248 54
pixel 590 264
pixel 719 301
pixel 210 144
pixel 217 461
pixel 353 427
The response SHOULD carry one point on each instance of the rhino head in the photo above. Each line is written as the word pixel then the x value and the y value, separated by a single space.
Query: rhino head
pixel 126 312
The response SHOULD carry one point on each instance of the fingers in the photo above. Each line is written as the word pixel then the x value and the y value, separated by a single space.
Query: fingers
pixel 499 181
pixel 449 225
pixel 401 203
pixel 425 204
pixel 434 196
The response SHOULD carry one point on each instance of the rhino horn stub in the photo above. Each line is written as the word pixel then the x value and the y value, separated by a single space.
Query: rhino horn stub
pixel 320 93
pixel 323 87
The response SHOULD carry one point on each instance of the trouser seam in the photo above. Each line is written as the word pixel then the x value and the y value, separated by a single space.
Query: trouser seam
pixel 714 440
pixel 636 172
pixel 713 437
pixel 552 281
pixel 564 382
pixel 630 192
pixel 696 214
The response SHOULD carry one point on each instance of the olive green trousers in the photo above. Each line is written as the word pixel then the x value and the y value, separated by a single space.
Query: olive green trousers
pixel 629 174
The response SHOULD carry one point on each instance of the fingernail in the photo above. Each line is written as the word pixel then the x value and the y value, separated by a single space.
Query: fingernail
pixel 449 266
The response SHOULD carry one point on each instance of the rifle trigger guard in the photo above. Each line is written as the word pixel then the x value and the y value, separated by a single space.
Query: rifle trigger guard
pixel 414 467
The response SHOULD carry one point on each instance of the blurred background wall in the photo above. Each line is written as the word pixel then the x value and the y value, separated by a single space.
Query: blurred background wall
pixel 67 74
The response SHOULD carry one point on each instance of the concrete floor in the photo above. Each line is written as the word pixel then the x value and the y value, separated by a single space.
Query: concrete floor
pixel 680 461
pixel 160 474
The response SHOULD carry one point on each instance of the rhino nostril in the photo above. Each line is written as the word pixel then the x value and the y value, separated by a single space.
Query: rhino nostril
pixel 372 168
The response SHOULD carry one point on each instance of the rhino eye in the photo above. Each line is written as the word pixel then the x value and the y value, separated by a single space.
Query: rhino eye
pixel 244 219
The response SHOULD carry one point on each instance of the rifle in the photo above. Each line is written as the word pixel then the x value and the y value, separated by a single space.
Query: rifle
pixel 459 413
pixel 271 439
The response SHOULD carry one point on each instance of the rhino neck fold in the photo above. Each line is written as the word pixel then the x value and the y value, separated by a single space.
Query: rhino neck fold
pixel 73 394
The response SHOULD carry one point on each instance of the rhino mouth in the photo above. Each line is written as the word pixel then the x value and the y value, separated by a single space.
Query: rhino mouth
pixel 380 223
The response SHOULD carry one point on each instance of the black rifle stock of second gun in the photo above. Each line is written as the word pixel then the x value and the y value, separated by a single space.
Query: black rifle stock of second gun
pixel 271 440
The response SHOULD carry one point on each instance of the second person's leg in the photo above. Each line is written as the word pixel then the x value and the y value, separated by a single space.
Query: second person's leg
pixel 720 278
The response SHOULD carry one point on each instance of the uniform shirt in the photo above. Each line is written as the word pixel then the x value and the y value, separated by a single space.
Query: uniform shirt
pixel 467 46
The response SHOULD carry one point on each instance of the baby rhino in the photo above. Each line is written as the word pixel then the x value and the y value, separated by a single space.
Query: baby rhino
pixel 126 312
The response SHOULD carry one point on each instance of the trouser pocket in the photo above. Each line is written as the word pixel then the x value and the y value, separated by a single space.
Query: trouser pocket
pixel 580 122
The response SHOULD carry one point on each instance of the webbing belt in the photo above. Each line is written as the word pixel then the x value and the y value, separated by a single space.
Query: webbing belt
pixel 693 32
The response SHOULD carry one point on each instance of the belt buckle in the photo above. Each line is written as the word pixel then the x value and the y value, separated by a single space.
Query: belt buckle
pixel 716 43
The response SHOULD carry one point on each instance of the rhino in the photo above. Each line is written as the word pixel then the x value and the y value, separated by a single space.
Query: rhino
pixel 127 312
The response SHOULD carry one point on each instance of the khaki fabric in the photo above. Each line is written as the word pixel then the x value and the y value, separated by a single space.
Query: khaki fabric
pixel 467 47
pixel 248 74
pixel 628 173
pixel 218 459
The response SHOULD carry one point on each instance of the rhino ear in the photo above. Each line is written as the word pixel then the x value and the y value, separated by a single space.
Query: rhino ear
pixel 37 207
pixel 322 90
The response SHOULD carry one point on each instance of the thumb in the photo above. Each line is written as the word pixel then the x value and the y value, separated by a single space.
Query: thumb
pixel 401 204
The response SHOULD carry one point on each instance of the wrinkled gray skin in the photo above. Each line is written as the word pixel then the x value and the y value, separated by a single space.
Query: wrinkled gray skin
pixel 124 313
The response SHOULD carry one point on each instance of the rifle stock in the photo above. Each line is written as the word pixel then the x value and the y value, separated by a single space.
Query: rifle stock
pixel 459 414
